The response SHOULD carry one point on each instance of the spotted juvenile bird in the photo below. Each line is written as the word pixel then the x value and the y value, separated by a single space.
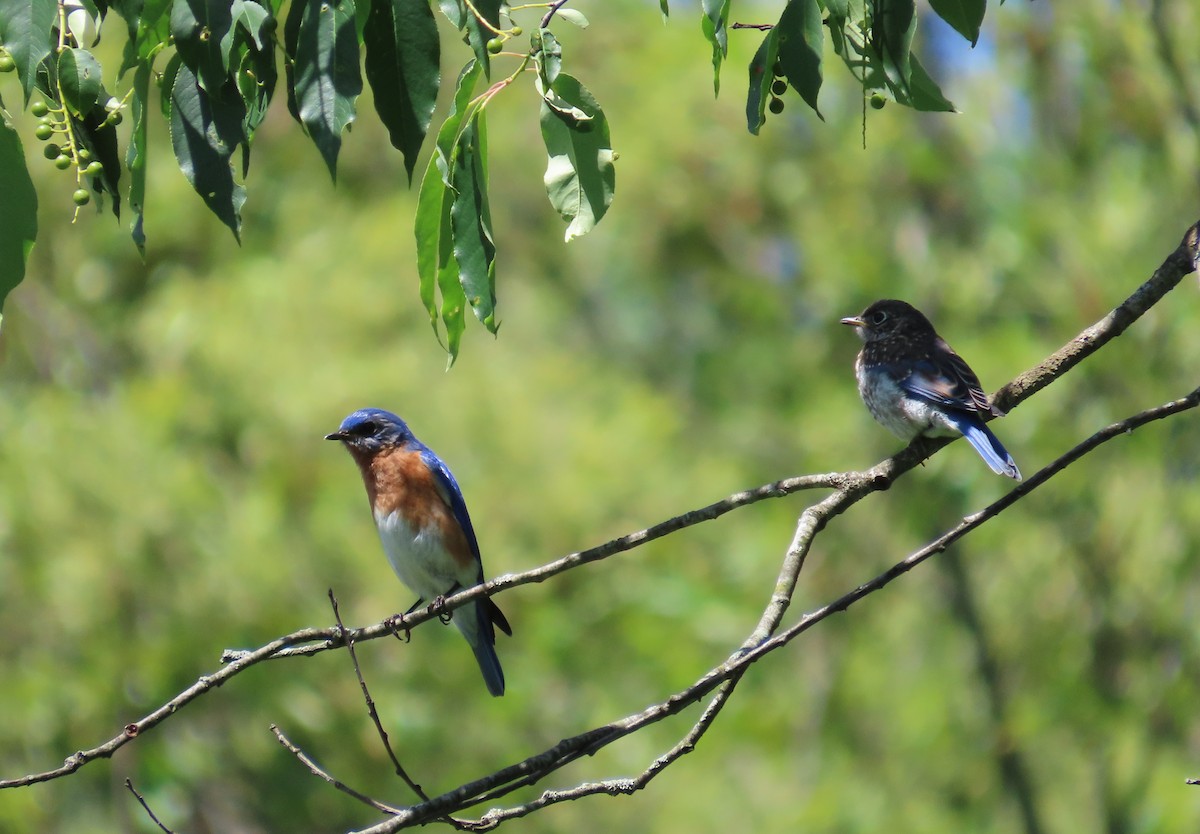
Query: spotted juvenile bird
pixel 915 384
pixel 423 524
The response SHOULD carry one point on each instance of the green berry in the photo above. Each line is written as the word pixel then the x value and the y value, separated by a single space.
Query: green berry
pixel 43 132
pixel 39 108
pixel 51 151
pixel 517 31
pixel 495 45
pixel 81 197
pixel 115 117
pixel 778 86
pixel 94 168
pixel 84 154
pixel 777 70
pixel 7 64
pixel 62 162
pixel 776 105
pixel 877 101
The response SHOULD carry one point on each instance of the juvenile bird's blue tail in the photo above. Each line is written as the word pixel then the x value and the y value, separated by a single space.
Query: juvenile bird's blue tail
pixel 477 626
pixel 988 445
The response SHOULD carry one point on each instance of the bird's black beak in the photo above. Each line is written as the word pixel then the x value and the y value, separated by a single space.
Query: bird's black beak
pixel 337 435
pixel 854 321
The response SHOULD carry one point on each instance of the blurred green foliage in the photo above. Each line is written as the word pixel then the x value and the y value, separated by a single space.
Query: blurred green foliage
pixel 167 494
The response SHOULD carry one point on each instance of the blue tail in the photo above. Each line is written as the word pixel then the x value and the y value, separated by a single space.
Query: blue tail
pixel 477 626
pixel 987 444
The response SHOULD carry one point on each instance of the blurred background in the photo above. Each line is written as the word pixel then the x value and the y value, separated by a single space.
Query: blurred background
pixel 167 494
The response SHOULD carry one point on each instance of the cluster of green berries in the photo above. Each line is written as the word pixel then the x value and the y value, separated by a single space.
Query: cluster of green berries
pixel 778 87
pixel 496 44
pixel 63 156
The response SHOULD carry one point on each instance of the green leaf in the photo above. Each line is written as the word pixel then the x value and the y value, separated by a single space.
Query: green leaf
pixel 966 16
pixel 478 34
pixel 26 32
pixel 549 57
pixel 801 37
pixel 471 221
pixel 251 18
pixel 203 30
pixel 714 24
pixel 135 159
pixel 892 29
pixel 79 76
pixel 149 28
pixel 436 264
pixel 327 79
pixel 926 95
pixel 455 12
pixel 580 177
pixel 666 11
pixel 403 67
pixel 761 76
pixel 18 207
pixel 573 16
pixel 205 131
pixel 100 139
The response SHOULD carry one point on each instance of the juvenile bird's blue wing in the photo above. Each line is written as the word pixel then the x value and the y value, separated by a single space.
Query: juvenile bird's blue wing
pixel 944 378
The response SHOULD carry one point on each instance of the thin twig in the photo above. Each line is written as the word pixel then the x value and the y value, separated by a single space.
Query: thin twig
pixel 142 800
pixel 383 736
pixel 551 11
pixel 318 771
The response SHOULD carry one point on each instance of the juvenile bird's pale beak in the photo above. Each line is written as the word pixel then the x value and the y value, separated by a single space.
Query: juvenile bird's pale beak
pixel 337 435
pixel 854 321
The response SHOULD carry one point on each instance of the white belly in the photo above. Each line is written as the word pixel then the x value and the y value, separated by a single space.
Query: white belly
pixel 418 557
pixel 902 415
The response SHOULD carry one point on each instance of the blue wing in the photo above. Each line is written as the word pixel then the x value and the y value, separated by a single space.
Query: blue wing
pixel 447 487
pixel 945 379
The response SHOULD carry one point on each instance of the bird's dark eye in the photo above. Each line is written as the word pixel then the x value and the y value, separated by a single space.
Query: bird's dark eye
pixel 878 317
pixel 367 428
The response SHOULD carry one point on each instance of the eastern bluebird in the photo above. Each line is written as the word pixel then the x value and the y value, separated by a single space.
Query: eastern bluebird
pixel 915 384
pixel 423 524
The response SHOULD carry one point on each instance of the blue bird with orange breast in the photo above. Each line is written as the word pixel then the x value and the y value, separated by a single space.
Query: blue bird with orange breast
pixel 423 524
pixel 914 383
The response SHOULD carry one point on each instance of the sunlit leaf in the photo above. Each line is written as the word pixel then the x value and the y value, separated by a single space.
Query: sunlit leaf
pixel 478 34
pixel 580 177
pixel 471 221
pixel 326 74
pixel 201 29
pixel 892 29
pixel 926 95
pixel 204 134
pixel 714 23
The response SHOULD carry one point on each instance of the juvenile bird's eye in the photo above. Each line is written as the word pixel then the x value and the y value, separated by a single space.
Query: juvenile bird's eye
pixel 367 428
pixel 879 317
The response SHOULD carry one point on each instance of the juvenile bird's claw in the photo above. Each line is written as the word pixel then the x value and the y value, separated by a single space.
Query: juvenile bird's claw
pixel 438 606
pixel 399 628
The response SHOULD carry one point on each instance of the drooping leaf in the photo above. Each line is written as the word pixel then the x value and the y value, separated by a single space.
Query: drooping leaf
pixel 801 39
pixel 100 138
pixel 203 30
pixel 966 16
pixel 18 207
pixel 249 17
pixel 327 78
pixel 665 8
pixel 403 67
pixel 455 12
pixel 436 264
pixel 135 158
pixel 580 178
pixel 205 131
pixel 714 23
pixel 25 31
pixel 471 221
pixel 149 28
pixel 761 76
pixel 926 95
pixel 892 28
pixel 79 77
